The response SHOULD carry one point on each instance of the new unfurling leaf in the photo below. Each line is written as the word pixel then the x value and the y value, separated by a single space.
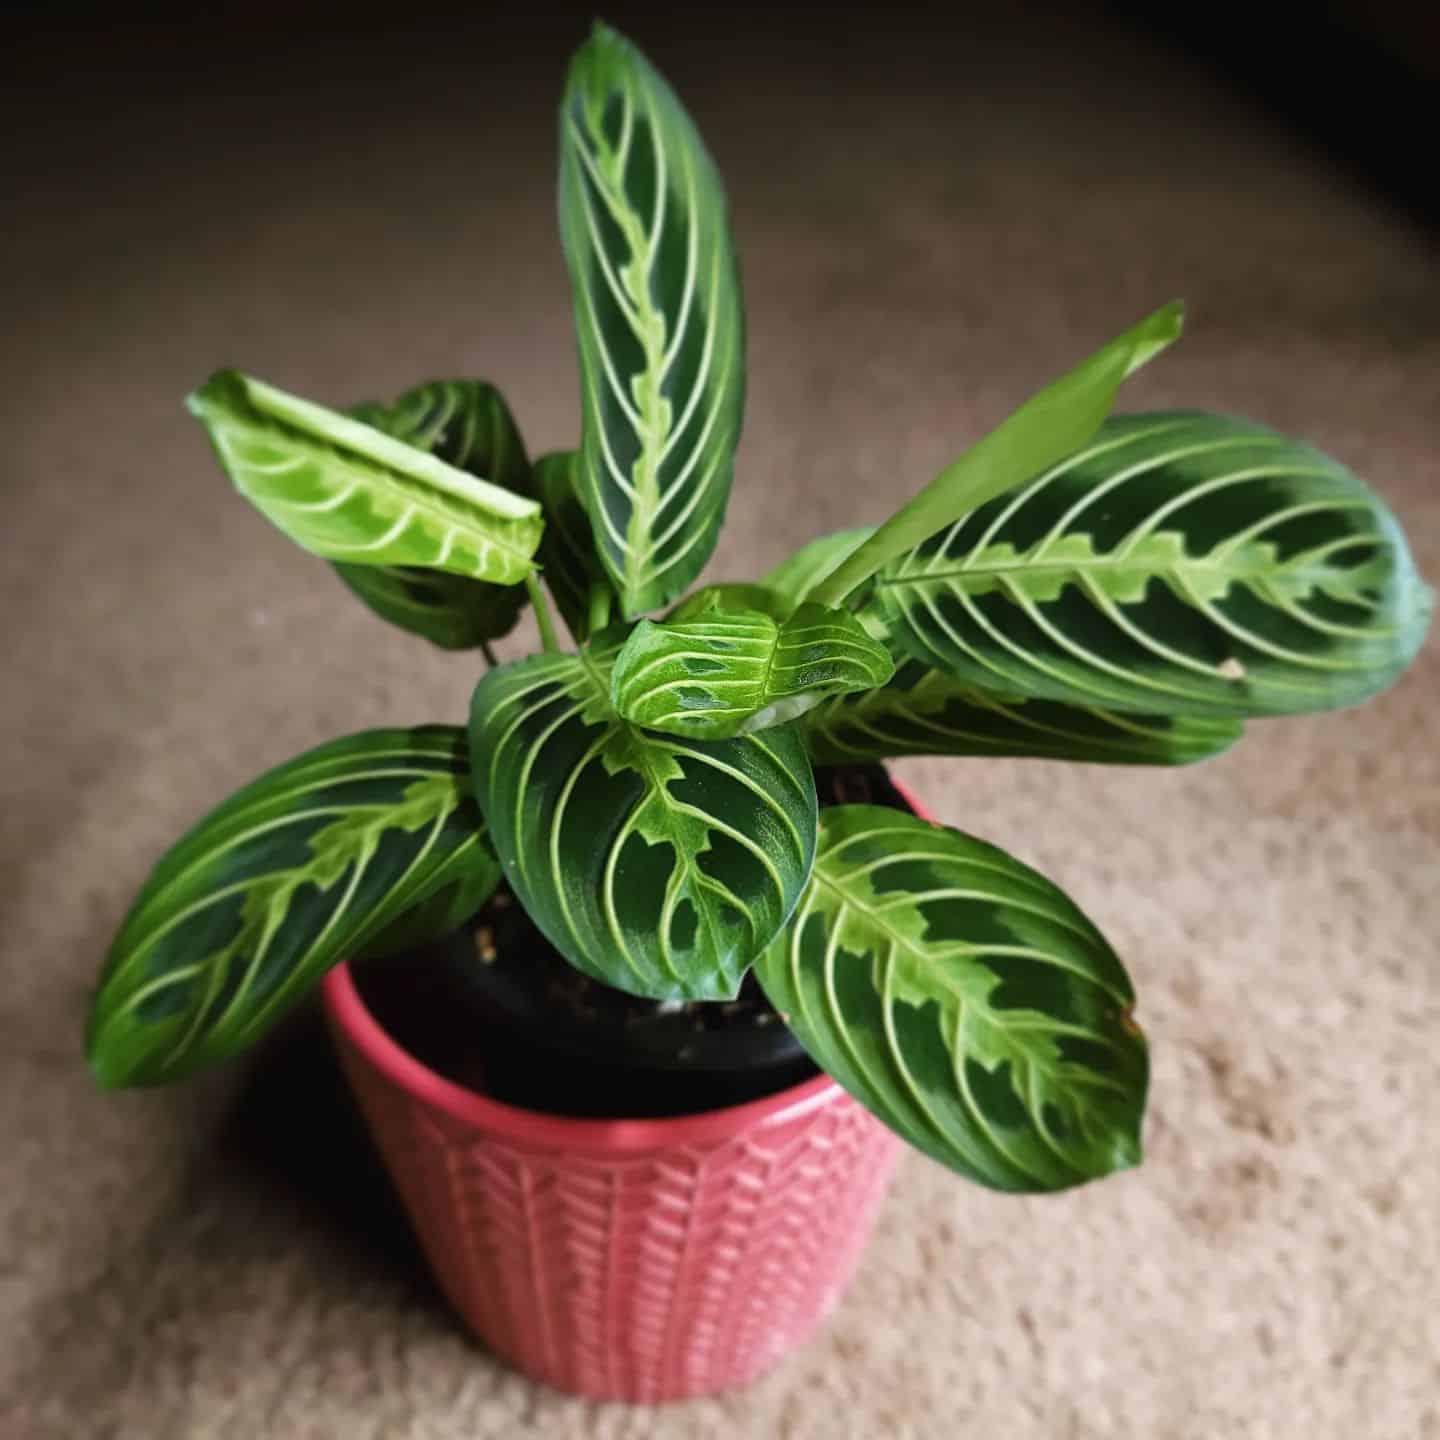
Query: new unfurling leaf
pixel 731 672
pixel 1048 426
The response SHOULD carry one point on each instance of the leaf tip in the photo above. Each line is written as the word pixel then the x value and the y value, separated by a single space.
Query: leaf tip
pixel 221 386
pixel 1128 1153
pixel 1155 333
pixel 107 1069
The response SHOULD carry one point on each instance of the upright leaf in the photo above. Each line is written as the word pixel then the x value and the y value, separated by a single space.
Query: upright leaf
pixel 301 869
pixel 346 491
pixel 1047 427
pixel 659 866
pixel 795 578
pixel 567 551
pixel 927 712
pixel 658 317
pixel 733 672
pixel 1183 563
pixel 467 424
pixel 965 1000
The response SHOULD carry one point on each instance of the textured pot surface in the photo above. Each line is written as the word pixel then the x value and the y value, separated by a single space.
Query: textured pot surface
pixel 640 1260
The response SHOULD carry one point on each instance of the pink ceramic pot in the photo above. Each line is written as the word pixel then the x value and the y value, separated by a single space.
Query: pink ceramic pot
pixel 639 1260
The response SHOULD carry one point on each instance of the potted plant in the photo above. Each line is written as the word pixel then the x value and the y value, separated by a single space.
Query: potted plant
pixel 639 978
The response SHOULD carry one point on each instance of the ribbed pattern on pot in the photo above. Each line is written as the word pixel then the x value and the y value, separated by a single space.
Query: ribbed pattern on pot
pixel 647 1275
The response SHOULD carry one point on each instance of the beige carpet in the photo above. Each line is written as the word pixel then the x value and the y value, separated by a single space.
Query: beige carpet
pixel 931 225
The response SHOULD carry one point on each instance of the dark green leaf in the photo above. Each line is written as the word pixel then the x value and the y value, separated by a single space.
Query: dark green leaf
pixel 567 551
pixel 448 610
pixel 732 672
pixel 1181 563
pixel 659 866
pixel 659 321
pixel 926 712
pixel 965 1000
pixel 467 424
pixel 347 491
pixel 303 868
pixel 457 896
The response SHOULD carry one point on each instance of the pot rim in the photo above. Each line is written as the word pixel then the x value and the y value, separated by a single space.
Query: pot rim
pixel 349 1014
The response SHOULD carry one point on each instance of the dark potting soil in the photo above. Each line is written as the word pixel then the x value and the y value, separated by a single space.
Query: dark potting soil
pixel 496 1008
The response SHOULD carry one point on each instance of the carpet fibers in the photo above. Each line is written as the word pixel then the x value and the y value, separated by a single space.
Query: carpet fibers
pixel 930 227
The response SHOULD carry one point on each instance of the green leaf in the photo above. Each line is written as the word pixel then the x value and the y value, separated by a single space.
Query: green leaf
pixel 793 579
pixel 965 1000
pixel 303 868
pixel 658 317
pixel 346 491
pixel 567 551
pixel 1181 563
pixel 1046 428
pixel 448 610
pixel 458 893
pixel 658 866
pixel 730 595
pixel 467 424
pixel 926 712
pixel 732 672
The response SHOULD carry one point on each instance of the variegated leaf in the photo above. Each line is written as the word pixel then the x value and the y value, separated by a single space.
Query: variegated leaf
pixel 312 863
pixel 733 672
pixel 659 866
pixel 567 551
pixel 448 610
pixel 346 491
pixel 927 712
pixel 965 1000
pixel 467 424
pixel 1183 563
pixel 658 317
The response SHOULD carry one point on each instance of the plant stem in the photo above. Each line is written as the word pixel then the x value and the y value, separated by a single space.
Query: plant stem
pixel 548 641
pixel 600 596
pixel 489 654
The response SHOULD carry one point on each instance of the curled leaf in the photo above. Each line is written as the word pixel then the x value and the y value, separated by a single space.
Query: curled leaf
pixel 732 672
pixel 346 491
